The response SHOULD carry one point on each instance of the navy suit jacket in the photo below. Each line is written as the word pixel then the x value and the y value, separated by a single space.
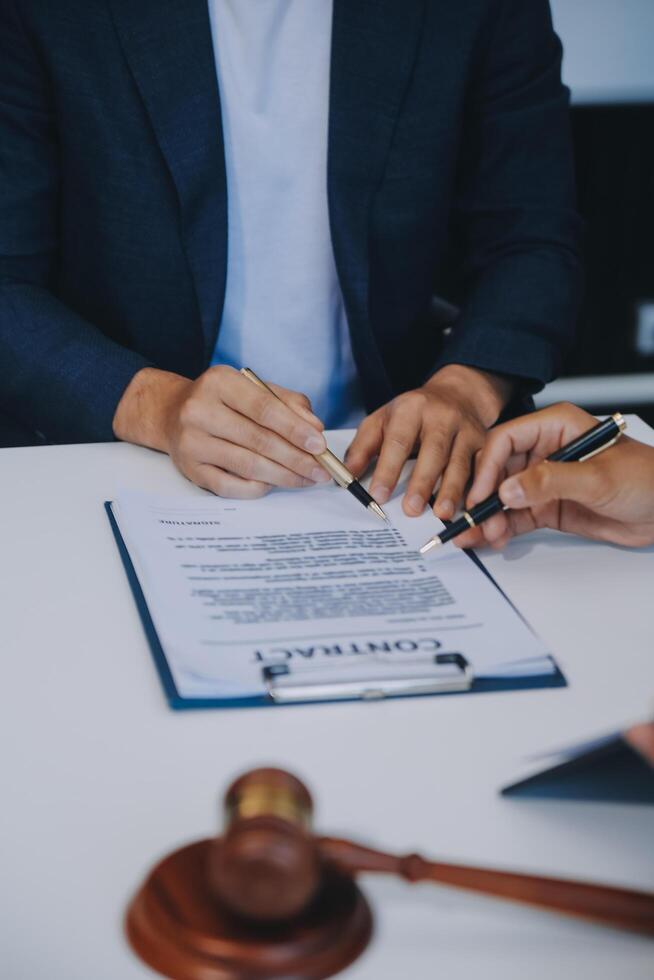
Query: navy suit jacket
pixel 449 166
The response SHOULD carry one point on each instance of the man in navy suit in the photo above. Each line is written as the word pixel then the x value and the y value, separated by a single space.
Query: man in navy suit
pixel 187 186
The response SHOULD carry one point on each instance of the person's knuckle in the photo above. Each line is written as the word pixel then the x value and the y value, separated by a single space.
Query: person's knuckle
pixel 250 465
pixel 297 432
pixel 473 438
pixel 259 490
pixel 301 463
pixel 210 384
pixel 567 408
pixel 201 384
pixel 461 462
pixel 437 445
pixel 216 482
pixel 187 467
pixel 435 410
pixel 264 409
pixel 458 468
pixel 423 486
pixel 397 439
pixel 542 516
pixel 490 443
pixel 186 442
pixel 219 374
pixel 540 478
pixel 367 434
pixel 449 412
pixel 190 411
pixel 260 440
pixel 414 401
pixel 452 485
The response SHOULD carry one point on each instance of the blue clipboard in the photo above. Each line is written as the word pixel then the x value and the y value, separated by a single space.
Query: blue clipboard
pixel 478 685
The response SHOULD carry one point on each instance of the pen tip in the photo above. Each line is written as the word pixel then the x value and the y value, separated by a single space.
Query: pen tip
pixel 376 509
pixel 432 543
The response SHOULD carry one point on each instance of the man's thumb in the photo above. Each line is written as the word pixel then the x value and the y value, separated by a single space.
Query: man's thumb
pixel 550 481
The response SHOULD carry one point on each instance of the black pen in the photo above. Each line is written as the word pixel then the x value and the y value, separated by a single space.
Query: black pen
pixel 336 469
pixel 600 437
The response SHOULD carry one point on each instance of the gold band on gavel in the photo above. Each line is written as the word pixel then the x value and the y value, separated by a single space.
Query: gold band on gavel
pixel 261 800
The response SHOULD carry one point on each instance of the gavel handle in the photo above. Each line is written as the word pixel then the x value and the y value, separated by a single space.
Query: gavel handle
pixel 617 907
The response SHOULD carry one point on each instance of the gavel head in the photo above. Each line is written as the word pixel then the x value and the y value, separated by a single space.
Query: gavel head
pixel 267 865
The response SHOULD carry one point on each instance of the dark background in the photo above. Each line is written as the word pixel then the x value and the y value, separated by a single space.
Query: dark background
pixel 614 149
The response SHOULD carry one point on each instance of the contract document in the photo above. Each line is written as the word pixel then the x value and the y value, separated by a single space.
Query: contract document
pixel 307 590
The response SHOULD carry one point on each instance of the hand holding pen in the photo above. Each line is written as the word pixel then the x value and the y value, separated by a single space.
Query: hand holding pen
pixel 609 496
pixel 330 463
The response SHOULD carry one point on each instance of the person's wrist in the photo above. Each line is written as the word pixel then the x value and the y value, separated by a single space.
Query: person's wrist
pixel 488 393
pixel 148 406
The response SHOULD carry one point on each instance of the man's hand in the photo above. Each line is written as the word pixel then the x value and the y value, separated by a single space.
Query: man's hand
pixel 223 432
pixel 609 497
pixel 446 421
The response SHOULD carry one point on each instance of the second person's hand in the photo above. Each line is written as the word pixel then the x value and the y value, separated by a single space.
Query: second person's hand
pixel 609 497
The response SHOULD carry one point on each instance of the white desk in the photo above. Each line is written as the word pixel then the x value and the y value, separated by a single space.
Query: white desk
pixel 99 777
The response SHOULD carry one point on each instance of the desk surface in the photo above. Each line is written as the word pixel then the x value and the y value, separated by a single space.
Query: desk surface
pixel 100 778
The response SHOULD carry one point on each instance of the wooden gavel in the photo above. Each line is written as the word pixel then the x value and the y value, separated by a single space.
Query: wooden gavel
pixel 268 865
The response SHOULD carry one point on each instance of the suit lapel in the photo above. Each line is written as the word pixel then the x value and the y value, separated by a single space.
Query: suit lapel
pixel 374 46
pixel 167 44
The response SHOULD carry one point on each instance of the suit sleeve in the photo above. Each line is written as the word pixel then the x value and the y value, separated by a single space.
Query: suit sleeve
pixel 514 214
pixel 60 376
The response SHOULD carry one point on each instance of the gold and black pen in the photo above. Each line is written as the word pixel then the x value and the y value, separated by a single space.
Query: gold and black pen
pixel 588 444
pixel 336 469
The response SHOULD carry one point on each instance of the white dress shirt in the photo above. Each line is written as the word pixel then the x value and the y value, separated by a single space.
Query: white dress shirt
pixel 283 314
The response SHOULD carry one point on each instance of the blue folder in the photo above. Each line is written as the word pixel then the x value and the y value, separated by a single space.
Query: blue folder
pixel 179 703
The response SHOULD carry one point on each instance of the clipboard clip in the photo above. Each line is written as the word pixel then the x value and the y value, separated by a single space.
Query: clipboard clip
pixel 367 678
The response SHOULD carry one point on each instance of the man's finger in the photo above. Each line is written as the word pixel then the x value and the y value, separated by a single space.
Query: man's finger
pixel 497 530
pixel 299 403
pixel 400 435
pixel 521 522
pixel 226 484
pixel 490 463
pixel 365 445
pixel 267 410
pixel 455 477
pixel 238 429
pixel 516 464
pixel 474 538
pixel 494 528
pixel 538 434
pixel 431 459
pixel 250 466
